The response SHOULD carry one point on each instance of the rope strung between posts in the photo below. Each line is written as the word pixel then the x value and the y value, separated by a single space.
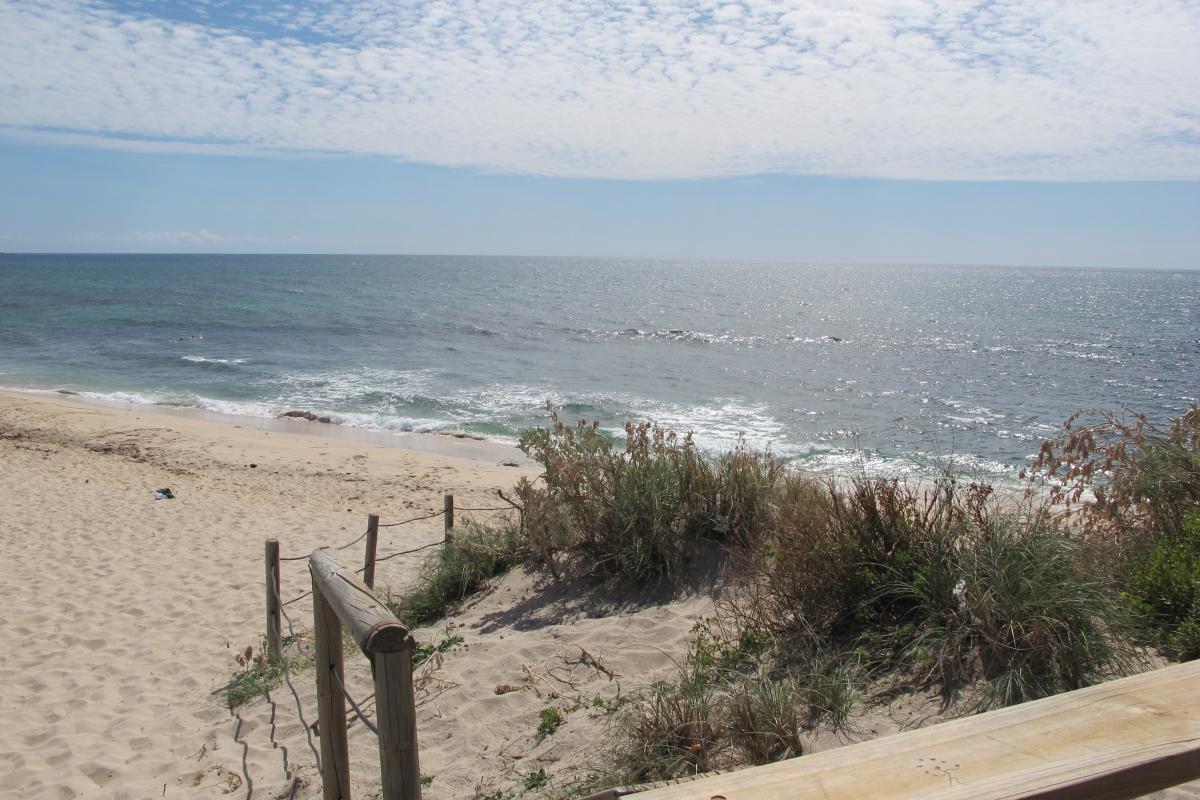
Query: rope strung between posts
pixel 363 535
pixel 287 677
pixel 296 599
pixel 409 552
pixel 358 711
pixel 497 508
pixel 360 570
pixel 339 547
pixel 414 519
pixel 356 541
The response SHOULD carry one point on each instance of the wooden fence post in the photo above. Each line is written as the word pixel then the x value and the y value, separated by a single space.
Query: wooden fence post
pixel 274 622
pixel 331 704
pixel 396 714
pixel 448 517
pixel 372 546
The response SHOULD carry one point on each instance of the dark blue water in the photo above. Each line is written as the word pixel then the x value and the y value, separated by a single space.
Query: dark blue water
pixel 900 367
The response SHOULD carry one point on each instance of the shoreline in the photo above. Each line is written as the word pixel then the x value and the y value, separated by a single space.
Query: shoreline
pixel 448 444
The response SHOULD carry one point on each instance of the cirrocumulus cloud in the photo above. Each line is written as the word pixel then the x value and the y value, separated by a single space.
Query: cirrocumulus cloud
pixel 924 89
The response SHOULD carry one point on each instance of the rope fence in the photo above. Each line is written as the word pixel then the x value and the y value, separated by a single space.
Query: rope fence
pixel 287 677
pixel 393 679
pixel 357 711
pixel 414 519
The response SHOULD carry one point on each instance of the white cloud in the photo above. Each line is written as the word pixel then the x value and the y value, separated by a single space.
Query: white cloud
pixel 201 236
pixel 141 240
pixel 1026 89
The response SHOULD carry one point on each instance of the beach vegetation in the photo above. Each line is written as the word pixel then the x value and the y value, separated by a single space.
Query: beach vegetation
pixel 427 650
pixel 637 509
pixel 549 721
pixel 934 586
pixel 1134 487
pixel 1138 478
pixel 1163 588
pixel 476 554
pixel 537 779
pixel 733 701
pixel 257 674
pixel 842 592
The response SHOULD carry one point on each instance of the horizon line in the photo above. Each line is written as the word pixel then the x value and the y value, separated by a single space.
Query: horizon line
pixel 680 259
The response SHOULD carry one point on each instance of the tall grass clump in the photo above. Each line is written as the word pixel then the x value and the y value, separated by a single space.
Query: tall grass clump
pixel 820 572
pixel 637 509
pixel 1013 605
pixel 933 587
pixel 461 568
pixel 728 705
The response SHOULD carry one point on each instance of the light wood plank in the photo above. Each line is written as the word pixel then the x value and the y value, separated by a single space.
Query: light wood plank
pixel 1120 739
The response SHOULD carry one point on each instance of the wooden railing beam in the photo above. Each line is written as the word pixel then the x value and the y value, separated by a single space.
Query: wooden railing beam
pixel 1112 741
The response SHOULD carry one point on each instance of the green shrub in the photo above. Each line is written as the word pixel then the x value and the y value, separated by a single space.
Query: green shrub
pixel 638 511
pixel 549 721
pixel 475 554
pixel 1164 589
pixel 930 586
pixel 427 650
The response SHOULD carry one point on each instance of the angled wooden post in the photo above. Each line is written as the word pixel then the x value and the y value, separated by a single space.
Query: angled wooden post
pixel 274 622
pixel 331 705
pixel 448 517
pixel 372 546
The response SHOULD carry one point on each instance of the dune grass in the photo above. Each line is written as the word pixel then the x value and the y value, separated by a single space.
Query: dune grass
pixel 841 589
pixel 475 554
pixel 257 674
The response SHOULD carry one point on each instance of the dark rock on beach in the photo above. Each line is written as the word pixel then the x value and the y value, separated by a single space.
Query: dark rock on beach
pixel 308 415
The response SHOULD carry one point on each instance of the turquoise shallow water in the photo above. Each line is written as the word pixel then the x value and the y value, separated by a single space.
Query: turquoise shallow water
pixel 898 368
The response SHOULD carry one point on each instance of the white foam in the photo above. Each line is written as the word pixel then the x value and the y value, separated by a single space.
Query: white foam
pixel 207 360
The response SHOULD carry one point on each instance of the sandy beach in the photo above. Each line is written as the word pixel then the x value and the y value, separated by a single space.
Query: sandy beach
pixel 124 614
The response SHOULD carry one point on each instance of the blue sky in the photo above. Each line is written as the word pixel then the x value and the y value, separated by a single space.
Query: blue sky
pixel 930 130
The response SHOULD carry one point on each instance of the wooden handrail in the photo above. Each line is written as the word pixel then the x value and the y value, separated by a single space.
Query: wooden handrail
pixel 1116 740
pixel 375 629
pixel 340 598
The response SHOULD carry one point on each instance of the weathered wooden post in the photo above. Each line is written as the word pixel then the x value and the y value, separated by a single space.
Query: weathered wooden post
pixel 331 705
pixel 372 546
pixel 448 517
pixel 274 621
pixel 389 646
pixel 395 707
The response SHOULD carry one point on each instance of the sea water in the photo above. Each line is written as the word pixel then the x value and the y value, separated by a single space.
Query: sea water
pixel 893 368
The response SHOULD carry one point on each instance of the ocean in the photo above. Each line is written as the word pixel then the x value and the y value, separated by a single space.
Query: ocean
pixel 896 369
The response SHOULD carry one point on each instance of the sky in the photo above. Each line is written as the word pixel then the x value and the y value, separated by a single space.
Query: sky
pixel 997 132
